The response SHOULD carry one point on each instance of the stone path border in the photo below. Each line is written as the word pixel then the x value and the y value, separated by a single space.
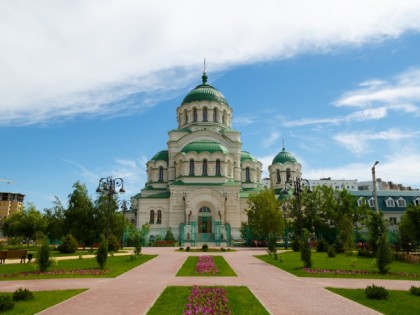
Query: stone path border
pixel 135 291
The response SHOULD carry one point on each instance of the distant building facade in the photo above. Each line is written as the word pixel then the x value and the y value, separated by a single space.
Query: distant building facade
pixel 10 203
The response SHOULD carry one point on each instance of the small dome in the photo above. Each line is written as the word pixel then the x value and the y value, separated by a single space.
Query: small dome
pixel 161 156
pixel 205 92
pixel 204 146
pixel 284 157
pixel 246 156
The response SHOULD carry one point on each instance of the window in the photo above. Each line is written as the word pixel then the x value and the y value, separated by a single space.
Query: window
pixel 152 217
pixel 205 114
pixel 204 167
pixel 186 116
pixel 204 210
pixel 278 177
pixel 247 175
pixel 390 202
pixel 401 202
pixel 288 174
pixel 159 217
pixel 361 201
pixel 392 221
pixel 191 167
pixel 218 168
pixel 215 115
pixel 417 201
pixel 194 114
pixel 223 118
pixel 161 174
pixel 371 202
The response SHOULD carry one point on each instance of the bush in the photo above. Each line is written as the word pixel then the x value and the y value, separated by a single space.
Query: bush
pixel 22 295
pixel 114 243
pixel 296 245
pixel 331 251
pixel 272 245
pixel 137 244
pixel 205 247
pixel 305 254
pixel 102 254
pixel 364 252
pixel 338 246
pixel 187 249
pixel 6 303
pixel 68 244
pixel 383 255
pixel 376 292
pixel 169 235
pixel 415 290
pixel 322 246
pixel 43 260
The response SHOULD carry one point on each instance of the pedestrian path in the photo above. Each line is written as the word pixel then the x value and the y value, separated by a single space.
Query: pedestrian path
pixel 135 291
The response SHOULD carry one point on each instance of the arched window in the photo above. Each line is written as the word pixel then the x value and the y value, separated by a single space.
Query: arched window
pixel 191 167
pixel 223 118
pixel 152 217
pixel 278 177
pixel 161 174
pixel 205 114
pixel 247 175
pixel 288 174
pixel 204 167
pixel 194 114
pixel 159 217
pixel 218 168
pixel 215 115
pixel 204 210
pixel 186 116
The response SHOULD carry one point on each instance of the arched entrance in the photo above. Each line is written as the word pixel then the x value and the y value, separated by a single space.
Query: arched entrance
pixel 204 220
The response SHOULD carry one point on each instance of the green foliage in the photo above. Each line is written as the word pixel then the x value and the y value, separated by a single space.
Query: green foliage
pixel 187 249
pixel 272 245
pixel 376 292
pixel 331 251
pixel 102 253
pixel 205 247
pixel 113 243
pixel 68 244
pixel 415 290
pixel 137 244
pixel 376 226
pixel 264 217
pixel 54 218
pixel 43 259
pixel 22 295
pixel 296 244
pixel 305 252
pixel 409 227
pixel 338 246
pixel 6 303
pixel 322 246
pixel 383 255
pixel 169 235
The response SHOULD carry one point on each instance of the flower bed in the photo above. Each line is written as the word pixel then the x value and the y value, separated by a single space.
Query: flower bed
pixel 80 272
pixel 207 301
pixel 354 272
pixel 205 264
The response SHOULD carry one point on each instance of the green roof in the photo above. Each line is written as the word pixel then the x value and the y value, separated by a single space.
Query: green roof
pixel 205 92
pixel 161 156
pixel 204 146
pixel 284 157
pixel 246 156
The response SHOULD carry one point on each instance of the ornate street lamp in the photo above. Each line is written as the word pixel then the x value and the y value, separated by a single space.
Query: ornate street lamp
pixel 108 186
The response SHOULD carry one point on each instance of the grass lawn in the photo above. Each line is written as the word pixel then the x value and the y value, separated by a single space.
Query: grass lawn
pixel 290 262
pixel 174 299
pixel 115 265
pixel 398 302
pixel 188 268
pixel 41 301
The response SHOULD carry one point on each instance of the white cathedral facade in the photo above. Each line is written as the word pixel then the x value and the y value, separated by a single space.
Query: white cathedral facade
pixel 199 185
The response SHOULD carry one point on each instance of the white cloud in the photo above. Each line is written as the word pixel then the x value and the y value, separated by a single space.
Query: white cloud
pixel 63 59
pixel 268 141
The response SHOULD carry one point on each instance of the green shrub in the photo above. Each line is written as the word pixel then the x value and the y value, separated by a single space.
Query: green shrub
pixel 205 247
pixel 102 253
pixel 383 255
pixel 169 235
pixel 331 251
pixel 114 243
pixel 43 259
pixel 306 255
pixel 137 244
pixel 322 246
pixel 415 290
pixel 296 245
pixel 6 303
pixel 376 292
pixel 187 249
pixel 338 246
pixel 364 252
pixel 22 295
pixel 68 244
pixel 272 245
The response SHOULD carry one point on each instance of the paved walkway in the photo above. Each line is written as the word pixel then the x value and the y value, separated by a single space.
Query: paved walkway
pixel 134 292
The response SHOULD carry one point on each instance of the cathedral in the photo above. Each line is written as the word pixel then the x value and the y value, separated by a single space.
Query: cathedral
pixel 199 185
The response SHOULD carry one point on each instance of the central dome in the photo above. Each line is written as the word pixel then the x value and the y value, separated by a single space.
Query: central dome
pixel 284 157
pixel 205 92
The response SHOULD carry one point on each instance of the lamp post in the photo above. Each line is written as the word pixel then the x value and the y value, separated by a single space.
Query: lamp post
pixel 375 192
pixel 125 204
pixel 108 186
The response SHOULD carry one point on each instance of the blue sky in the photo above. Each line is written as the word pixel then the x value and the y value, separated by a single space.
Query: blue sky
pixel 89 89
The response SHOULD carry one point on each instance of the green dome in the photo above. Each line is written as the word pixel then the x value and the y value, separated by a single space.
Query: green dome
pixel 205 92
pixel 246 156
pixel 161 156
pixel 284 157
pixel 204 146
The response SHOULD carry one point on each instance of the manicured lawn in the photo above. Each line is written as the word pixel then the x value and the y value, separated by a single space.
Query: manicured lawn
pixel 398 302
pixel 290 262
pixel 188 268
pixel 115 266
pixel 174 299
pixel 41 301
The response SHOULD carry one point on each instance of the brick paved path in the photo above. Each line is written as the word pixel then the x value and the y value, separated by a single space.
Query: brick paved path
pixel 134 292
